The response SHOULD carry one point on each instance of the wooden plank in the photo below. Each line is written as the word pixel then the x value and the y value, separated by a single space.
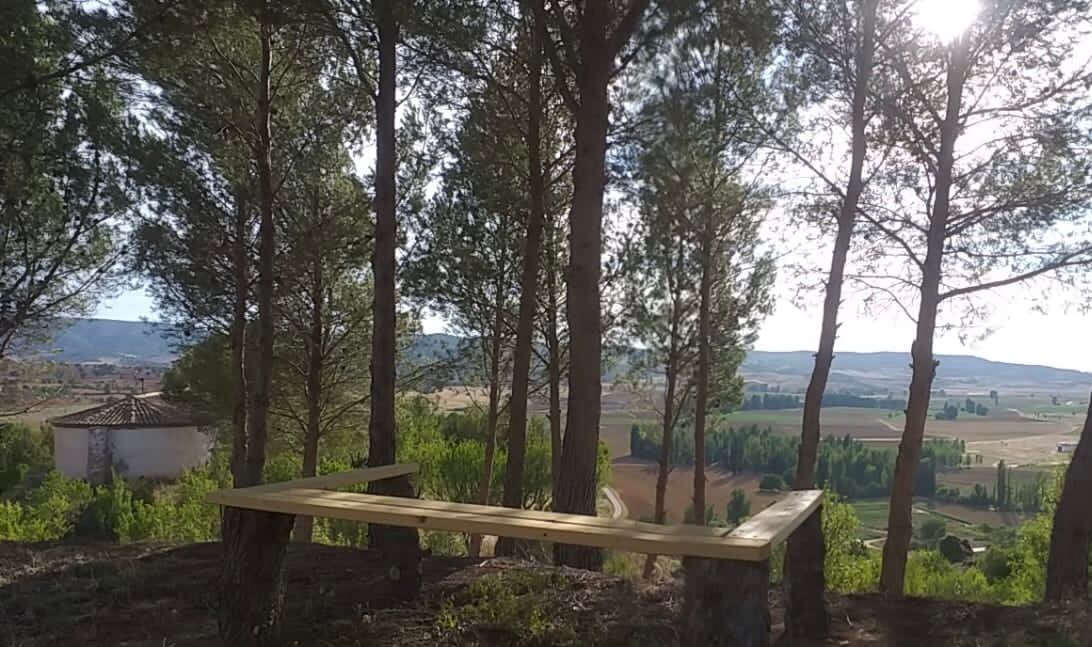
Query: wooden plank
pixel 774 524
pixel 579 519
pixel 340 479
pixel 394 511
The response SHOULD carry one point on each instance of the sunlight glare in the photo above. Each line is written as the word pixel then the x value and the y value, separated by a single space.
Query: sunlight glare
pixel 946 19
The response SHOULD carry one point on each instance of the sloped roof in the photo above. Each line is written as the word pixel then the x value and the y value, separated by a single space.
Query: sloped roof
pixel 148 410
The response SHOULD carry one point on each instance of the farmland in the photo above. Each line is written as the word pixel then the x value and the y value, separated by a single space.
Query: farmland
pixel 636 482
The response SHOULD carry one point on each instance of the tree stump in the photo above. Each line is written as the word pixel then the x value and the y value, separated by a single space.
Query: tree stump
pixel 252 581
pixel 726 603
pixel 805 609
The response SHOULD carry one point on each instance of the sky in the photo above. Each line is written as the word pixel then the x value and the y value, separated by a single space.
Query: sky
pixel 1011 331
pixel 1018 334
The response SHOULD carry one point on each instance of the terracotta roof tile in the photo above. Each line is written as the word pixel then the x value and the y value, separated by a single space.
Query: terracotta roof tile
pixel 149 410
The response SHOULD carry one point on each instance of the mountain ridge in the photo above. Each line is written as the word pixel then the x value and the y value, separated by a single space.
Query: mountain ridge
pixel 148 343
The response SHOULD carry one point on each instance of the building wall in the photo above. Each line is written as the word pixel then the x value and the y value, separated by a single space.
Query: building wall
pixel 156 452
pixel 70 452
pixel 163 452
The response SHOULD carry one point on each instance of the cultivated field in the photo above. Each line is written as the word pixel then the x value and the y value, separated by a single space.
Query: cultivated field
pixel 635 481
pixel 960 520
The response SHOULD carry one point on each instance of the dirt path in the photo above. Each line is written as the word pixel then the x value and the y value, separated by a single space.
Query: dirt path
pixel 887 423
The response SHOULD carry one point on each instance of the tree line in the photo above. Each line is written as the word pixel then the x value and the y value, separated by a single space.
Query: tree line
pixel 845 466
pixel 758 401
pixel 301 181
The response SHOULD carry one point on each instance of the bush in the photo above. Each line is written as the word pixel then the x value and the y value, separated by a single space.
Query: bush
pixel 738 506
pixel 932 529
pixel 22 449
pixel 771 482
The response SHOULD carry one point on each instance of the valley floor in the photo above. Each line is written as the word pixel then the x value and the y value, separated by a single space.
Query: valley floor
pixel 145 595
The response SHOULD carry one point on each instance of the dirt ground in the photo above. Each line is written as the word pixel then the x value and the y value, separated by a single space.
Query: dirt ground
pixel 635 480
pixel 148 595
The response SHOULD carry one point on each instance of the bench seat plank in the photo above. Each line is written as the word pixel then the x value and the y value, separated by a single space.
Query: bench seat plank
pixel 455 517
pixel 775 523
pixel 579 519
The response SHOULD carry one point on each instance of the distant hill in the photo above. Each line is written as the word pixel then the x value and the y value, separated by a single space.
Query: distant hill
pixel 140 343
pixel 108 341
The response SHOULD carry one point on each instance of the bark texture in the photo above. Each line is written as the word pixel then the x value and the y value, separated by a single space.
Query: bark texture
pixel 1067 566
pixel 701 395
pixel 726 603
pixel 807 541
pixel 252 583
pixel 399 545
pixel 521 361
pixel 924 365
pixel 577 480
pixel 805 609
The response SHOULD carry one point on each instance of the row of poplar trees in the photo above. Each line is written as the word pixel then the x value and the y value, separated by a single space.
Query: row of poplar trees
pixel 223 140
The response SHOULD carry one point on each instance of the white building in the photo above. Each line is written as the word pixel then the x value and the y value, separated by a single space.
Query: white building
pixel 136 436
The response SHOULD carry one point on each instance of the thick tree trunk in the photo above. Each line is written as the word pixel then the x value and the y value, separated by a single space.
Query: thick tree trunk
pixel 315 359
pixel 485 485
pixel 1067 566
pixel 899 523
pixel 252 579
pixel 726 603
pixel 701 391
pixel 252 584
pixel 577 486
pixel 401 546
pixel 805 609
pixel 807 542
pixel 521 361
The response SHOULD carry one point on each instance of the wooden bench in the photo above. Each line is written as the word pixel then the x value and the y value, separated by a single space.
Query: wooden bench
pixel 727 571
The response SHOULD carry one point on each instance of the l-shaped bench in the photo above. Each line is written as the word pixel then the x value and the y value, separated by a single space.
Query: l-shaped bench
pixel 727 571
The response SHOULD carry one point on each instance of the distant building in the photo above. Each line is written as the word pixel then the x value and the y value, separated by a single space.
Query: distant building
pixel 1066 447
pixel 139 435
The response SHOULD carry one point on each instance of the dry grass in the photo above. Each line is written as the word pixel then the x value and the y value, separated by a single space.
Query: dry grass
pixel 151 596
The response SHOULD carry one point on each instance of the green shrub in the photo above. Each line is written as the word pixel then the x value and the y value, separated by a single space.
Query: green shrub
pixel 933 529
pixel 512 607
pixel 49 512
pixel 22 449
pixel 771 482
pixel 738 506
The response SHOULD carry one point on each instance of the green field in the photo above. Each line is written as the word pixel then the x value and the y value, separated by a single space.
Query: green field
pixel 976 526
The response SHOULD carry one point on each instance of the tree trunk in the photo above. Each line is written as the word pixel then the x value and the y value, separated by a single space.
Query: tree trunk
pixel 401 546
pixel 576 489
pixel 239 406
pixel 807 541
pixel 315 359
pixel 485 485
pixel 553 371
pixel 701 391
pixel 805 609
pixel 521 362
pixel 252 581
pixel 899 523
pixel 726 603
pixel 252 578
pixel 1067 566
pixel 667 436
